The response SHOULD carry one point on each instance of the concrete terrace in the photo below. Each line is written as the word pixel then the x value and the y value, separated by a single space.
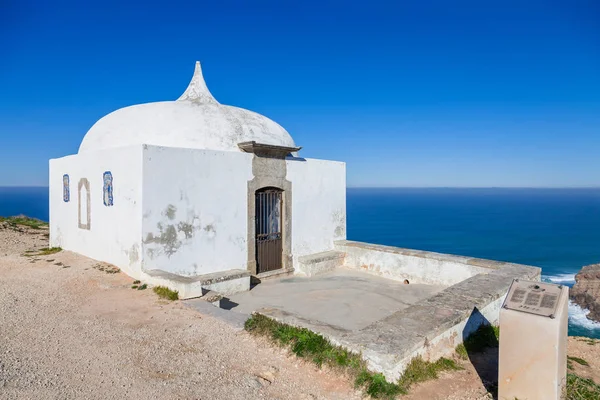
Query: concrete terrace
pixel 356 297
pixel 343 298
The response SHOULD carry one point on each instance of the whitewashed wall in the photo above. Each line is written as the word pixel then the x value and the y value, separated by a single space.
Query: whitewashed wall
pixel 318 205
pixel 418 266
pixel 185 211
pixel 195 210
pixel 115 231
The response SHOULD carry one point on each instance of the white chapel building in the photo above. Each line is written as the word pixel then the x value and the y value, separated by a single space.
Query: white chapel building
pixel 196 195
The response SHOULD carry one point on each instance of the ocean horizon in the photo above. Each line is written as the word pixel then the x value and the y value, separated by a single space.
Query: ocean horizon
pixel 557 229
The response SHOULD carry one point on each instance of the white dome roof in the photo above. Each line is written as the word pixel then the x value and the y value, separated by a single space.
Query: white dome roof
pixel 195 120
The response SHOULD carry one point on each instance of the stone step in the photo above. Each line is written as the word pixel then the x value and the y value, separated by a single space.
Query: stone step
pixel 275 274
pixel 224 282
pixel 218 300
pixel 318 263
pixel 212 297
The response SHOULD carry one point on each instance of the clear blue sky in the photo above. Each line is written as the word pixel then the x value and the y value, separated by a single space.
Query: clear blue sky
pixel 408 93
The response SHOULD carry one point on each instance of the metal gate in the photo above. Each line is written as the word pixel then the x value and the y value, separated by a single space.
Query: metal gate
pixel 268 230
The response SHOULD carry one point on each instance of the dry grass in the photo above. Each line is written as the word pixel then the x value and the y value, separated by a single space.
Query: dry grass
pixel 42 252
pixel 21 220
pixel 108 268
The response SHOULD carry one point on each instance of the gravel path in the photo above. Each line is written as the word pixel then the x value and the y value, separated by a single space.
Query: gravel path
pixel 69 330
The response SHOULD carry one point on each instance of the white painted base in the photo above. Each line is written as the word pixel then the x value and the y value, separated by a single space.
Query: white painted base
pixel 533 353
pixel 231 282
pixel 230 287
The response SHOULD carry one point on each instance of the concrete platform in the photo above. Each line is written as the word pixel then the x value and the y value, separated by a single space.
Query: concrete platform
pixel 365 307
pixel 345 299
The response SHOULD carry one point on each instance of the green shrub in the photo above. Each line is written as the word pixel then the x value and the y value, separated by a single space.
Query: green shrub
pixel 579 388
pixel 484 337
pixel 48 251
pixel 578 360
pixel 166 293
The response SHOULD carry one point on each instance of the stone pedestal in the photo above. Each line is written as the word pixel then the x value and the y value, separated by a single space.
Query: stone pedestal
pixel 533 342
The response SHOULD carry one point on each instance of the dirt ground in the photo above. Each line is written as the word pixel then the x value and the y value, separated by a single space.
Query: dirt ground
pixel 70 330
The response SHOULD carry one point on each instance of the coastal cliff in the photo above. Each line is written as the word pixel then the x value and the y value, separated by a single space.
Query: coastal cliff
pixel 586 292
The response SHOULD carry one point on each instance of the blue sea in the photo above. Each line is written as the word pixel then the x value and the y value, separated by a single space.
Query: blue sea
pixel 30 201
pixel 556 229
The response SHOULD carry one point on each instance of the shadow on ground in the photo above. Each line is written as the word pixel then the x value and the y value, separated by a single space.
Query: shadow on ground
pixel 481 345
pixel 227 304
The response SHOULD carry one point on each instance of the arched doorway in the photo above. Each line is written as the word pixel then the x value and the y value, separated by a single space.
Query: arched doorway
pixel 268 229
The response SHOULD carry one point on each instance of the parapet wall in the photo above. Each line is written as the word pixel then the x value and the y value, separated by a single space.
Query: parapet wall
pixel 415 265
pixel 434 327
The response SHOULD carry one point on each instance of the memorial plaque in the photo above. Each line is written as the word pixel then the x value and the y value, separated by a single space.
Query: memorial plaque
pixel 537 298
pixel 532 354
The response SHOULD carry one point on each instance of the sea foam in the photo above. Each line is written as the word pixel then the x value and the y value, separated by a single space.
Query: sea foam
pixel 578 316
pixel 564 279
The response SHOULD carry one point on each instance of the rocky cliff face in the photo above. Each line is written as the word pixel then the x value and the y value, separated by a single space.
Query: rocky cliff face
pixel 586 292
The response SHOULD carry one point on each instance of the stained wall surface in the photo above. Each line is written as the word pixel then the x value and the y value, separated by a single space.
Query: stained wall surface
pixel 196 206
pixel 184 211
pixel 416 266
pixel 110 228
pixel 195 210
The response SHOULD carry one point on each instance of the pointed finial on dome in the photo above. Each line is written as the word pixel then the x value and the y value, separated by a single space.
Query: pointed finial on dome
pixel 197 91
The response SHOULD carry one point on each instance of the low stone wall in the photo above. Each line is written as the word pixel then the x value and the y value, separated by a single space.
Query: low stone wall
pixel 225 282
pixel 319 263
pixel 415 265
pixel 433 328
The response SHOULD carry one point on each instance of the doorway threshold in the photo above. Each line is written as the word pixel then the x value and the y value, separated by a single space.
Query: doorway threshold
pixel 277 273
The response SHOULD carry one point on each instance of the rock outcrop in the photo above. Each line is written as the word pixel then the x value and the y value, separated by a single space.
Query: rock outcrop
pixel 586 292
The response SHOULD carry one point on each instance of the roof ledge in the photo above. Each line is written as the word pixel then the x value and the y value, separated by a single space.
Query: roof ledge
pixel 267 150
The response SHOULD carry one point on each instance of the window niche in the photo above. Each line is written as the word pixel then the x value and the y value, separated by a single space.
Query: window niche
pixel 107 190
pixel 84 210
pixel 66 189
